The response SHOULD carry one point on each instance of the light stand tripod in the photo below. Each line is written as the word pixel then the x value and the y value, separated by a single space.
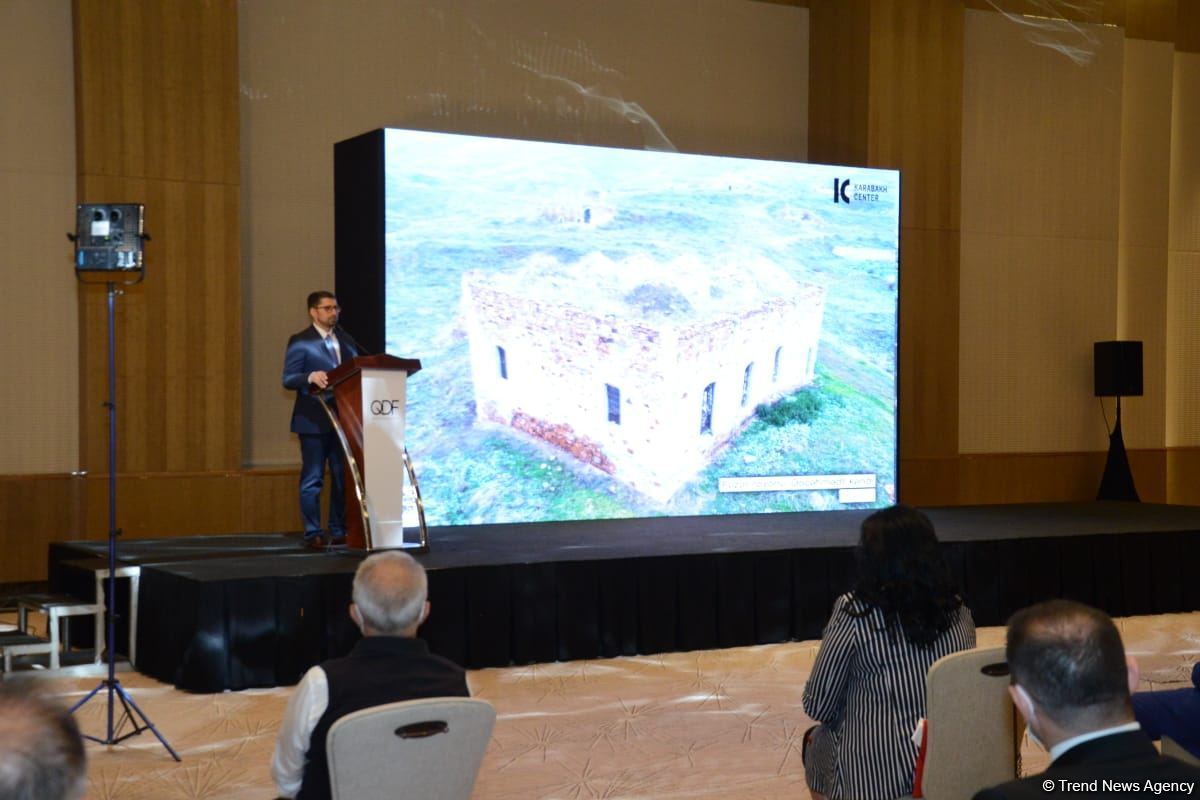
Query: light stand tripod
pixel 106 256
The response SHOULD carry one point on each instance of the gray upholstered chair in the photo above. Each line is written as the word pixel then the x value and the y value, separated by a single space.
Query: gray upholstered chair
pixel 428 749
pixel 973 736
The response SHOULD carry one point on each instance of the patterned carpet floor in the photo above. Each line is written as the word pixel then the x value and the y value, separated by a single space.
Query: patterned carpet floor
pixel 711 724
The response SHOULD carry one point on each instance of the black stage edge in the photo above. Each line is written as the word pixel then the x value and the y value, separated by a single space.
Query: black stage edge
pixel 234 612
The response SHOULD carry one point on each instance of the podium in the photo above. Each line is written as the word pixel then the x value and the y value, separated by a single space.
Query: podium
pixel 369 395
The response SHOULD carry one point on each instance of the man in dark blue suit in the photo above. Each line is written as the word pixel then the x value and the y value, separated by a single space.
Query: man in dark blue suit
pixel 1071 679
pixel 311 355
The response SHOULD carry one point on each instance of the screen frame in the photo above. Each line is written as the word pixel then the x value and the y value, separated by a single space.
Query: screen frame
pixel 360 285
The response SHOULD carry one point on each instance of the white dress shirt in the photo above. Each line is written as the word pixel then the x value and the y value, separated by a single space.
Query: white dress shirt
pixel 304 710
pixel 1067 744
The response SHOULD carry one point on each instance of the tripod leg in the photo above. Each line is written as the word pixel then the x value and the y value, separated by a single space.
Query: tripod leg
pixel 127 701
pixel 87 697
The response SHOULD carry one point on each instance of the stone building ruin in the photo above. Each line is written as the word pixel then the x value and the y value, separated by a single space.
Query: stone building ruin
pixel 641 369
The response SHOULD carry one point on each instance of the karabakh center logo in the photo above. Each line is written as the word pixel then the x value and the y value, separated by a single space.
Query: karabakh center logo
pixel 844 191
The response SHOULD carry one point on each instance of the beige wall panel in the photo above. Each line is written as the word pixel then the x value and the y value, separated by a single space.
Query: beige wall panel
pixel 1183 351
pixel 1185 154
pixel 1146 143
pixel 1142 315
pixel 40 393
pixel 1183 299
pixel 1038 275
pixel 1030 311
pixel 1041 135
pixel 1144 214
pixel 732 80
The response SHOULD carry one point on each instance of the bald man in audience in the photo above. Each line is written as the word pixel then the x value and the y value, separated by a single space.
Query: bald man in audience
pixel 41 752
pixel 1071 680
pixel 389 664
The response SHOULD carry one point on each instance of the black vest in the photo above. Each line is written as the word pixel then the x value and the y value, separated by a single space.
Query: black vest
pixel 379 670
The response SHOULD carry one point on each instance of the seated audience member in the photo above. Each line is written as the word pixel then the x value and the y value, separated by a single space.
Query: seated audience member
pixel 41 752
pixel 1174 713
pixel 867 687
pixel 1071 680
pixel 387 665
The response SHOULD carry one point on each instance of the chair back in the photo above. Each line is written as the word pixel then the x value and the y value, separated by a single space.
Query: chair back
pixel 429 749
pixel 972 736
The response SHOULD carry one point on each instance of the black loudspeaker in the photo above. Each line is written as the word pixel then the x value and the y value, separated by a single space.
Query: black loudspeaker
pixel 1118 369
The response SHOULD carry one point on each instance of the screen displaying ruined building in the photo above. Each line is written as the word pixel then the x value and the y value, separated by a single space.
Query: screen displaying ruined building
pixel 611 333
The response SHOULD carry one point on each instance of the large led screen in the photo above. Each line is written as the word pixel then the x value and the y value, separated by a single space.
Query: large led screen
pixel 611 333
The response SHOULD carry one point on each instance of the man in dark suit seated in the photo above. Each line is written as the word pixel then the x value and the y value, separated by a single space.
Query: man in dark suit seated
pixel 1173 712
pixel 1071 680
pixel 389 664
pixel 311 355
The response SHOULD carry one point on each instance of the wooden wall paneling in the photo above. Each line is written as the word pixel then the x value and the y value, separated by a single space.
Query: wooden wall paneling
pixel 270 500
pixel 1151 19
pixel 915 114
pixel 34 511
pixel 1029 477
pixel 158 124
pixel 929 481
pixel 1149 470
pixel 221 291
pixel 1187 25
pixel 172 504
pixel 838 69
pixel 928 363
pixel 1183 465
pixel 915 121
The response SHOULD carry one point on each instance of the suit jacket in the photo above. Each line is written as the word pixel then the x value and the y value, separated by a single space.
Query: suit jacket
pixel 1128 756
pixel 306 353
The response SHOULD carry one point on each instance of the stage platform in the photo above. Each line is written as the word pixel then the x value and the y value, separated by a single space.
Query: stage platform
pixel 234 612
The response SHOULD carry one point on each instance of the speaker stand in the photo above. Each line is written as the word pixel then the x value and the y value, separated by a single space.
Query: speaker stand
pixel 1117 483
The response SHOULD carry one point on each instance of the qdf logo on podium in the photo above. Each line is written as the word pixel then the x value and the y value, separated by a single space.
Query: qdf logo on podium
pixel 385 408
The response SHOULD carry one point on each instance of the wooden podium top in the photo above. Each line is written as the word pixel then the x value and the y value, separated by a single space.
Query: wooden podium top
pixel 354 366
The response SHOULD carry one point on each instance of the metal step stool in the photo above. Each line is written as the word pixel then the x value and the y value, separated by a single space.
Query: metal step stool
pixel 19 643
pixel 57 607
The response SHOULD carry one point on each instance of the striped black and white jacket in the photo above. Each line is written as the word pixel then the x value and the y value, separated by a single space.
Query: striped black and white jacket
pixel 868 689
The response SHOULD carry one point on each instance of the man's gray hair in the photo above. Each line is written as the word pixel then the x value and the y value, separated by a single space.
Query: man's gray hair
pixel 390 590
pixel 41 752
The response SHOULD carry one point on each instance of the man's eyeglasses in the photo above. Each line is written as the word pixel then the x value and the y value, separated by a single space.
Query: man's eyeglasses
pixel 328 308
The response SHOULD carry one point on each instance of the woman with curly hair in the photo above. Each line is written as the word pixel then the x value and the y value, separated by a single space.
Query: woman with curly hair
pixel 867 687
